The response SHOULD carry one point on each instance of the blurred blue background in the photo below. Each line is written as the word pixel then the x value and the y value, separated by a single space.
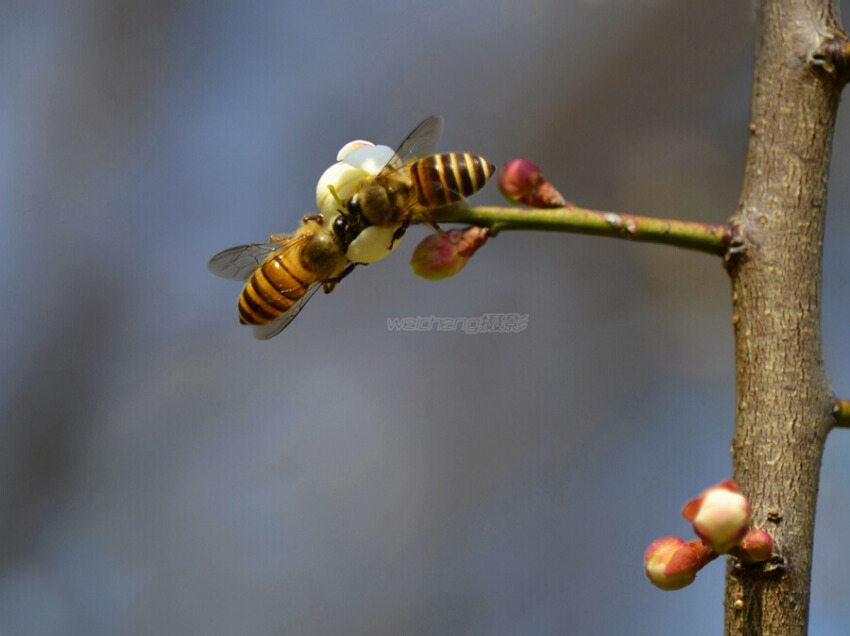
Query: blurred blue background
pixel 161 472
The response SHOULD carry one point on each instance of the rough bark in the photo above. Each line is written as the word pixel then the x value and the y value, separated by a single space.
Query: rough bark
pixel 784 397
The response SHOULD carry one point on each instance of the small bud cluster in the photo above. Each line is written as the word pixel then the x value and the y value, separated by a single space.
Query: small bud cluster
pixel 721 518
pixel 521 181
pixel 444 254
pixel 672 564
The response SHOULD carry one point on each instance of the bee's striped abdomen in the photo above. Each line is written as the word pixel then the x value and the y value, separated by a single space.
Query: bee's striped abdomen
pixel 272 290
pixel 254 308
pixel 455 173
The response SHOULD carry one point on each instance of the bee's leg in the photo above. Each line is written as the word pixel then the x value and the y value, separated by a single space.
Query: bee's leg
pixel 400 231
pixel 318 218
pixel 329 285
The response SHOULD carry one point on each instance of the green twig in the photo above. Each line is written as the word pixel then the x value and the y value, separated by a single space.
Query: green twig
pixel 713 239
pixel 842 413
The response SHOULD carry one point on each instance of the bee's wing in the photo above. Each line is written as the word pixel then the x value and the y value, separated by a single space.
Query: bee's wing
pixel 420 142
pixel 271 329
pixel 446 214
pixel 433 188
pixel 238 263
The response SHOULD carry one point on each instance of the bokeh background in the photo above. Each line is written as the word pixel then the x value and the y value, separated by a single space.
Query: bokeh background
pixel 163 473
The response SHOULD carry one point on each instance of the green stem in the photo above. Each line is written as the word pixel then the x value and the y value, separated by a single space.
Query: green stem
pixel 842 413
pixel 713 239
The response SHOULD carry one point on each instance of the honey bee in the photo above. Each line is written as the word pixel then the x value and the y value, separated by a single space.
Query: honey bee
pixel 283 274
pixel 416 185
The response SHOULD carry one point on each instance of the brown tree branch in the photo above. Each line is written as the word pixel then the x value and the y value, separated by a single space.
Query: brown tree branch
pixel 784 398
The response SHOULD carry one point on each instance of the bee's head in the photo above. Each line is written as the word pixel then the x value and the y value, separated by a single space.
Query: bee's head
pixel 355 210
pixel 352 218
pixel 343 230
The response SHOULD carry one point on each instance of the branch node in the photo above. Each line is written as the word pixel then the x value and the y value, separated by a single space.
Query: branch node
pixel 833 56
pixel 627 226
pixel 614 220
pixel 735 245
pixel 775 565
pixel 841 413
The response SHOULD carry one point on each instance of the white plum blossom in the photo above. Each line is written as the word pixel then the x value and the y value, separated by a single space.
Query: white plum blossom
pixel 356 162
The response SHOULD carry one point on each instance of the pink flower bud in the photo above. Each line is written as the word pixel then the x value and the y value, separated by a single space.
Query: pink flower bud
pixel 444 254
pixel 756 546
pixel 720 516
pixel 672 564
pixel 520 181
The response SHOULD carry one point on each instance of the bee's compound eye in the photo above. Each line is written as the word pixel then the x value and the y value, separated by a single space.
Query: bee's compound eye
pixel 341 228
pixel 354 205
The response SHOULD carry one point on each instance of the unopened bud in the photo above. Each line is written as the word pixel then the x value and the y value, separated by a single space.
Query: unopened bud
pixel 521 181
pixel 444 254
pixel 756 546
pixel 672 564
pixel 720 516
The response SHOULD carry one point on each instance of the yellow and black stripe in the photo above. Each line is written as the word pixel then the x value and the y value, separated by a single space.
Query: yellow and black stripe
pixel 437 180
pixel 273 289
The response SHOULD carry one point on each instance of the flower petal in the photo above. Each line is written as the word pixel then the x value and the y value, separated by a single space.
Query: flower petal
pixel 372 244
pixel 345 179
pixel 351 145
pixel 370 159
